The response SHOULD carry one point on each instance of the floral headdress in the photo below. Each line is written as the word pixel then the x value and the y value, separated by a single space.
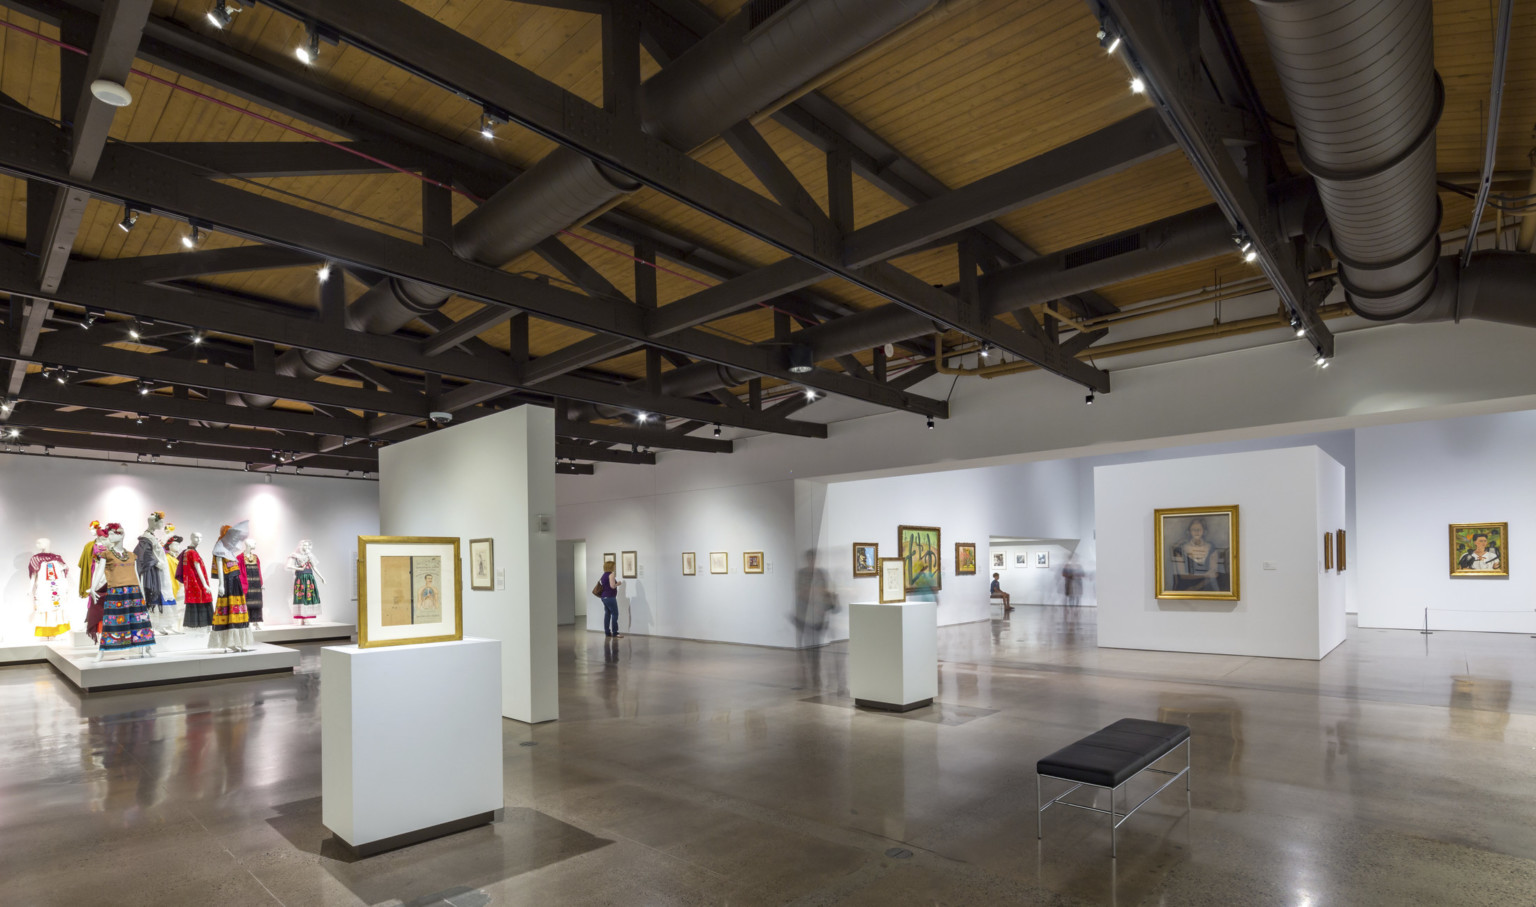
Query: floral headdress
pixel 111 528
pixel 96 527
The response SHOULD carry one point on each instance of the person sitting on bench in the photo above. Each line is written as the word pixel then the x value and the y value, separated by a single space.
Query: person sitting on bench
pixel 997 592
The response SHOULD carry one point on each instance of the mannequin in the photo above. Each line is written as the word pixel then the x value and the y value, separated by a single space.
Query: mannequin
pixel 50 577
pixel 306 595
pixel 87 588
pixel 250 581
pixel 125 626
pixel 194 580
pixel 169 587
pixel 149 561
pixel 231 622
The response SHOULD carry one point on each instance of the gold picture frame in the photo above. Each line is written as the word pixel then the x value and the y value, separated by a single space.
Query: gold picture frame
pixel 752 562
pixel 629 565
pixel 965 558
pixel 482 564
pixel 1198 565
pixel 866 559
pixel 921 551
pixel 893 575
pixel 1338 542
pixel 409 590
pixel 690 563
pixel 1491 560
pixel 719 562
pixel 1327 551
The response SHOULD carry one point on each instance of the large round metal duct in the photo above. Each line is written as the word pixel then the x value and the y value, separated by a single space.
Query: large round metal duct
pixel 1359 77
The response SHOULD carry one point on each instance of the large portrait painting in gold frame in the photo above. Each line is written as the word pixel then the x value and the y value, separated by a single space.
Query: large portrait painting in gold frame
pixel 408 590
pixel 1197 553
pixel 1480 549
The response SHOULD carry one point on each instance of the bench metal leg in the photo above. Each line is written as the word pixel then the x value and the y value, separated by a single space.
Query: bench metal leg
pixel 1114 828
pixel 1039 821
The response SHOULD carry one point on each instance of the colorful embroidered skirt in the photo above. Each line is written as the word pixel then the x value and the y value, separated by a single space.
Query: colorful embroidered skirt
pixel 124 620
pixel 306 595
pixel 231 623
pixel 50 621
pixel 253 600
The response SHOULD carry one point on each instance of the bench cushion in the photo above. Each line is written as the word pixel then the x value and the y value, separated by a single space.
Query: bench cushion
pixel 1109 758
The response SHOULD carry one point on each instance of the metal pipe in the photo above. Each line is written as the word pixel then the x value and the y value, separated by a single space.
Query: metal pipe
pixel 1495 103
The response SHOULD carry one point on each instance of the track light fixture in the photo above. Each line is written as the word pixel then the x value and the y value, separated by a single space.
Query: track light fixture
pixel 197 337
pixel 221 14
pixel 144 388
pixel 138 418
pixel 5 406
pixel 130 217
pixel 61 376
pixel 717 429
pixel 1089 399
pixel 1108 40
pixel 986 350
pixel 1138 86
pixel 643 418
pixel 489 121
pixel 309 51
pixel 801 359
pixel 135 330
pixel 930 423
pixel 13 434
pixel 1298 327
pixel 193 237
pixel 1322 361
pixel 810 395
pixel 1245 246
pixel 324 273
pixel 91 314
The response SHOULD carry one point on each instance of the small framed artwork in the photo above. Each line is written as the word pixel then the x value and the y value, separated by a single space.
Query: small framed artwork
pixel 1196 553
pixel 1042 558
pixel 999 560
pixel 965 558
pixel 1480 549
pixel 752 562
pixel 1338 543
pixel 610 558
pixel 482 564
pixel 1021 558
pixel 866 558
pixel 408 590
pixel 893 587
pixel 920 548
pixel 690 563
pixel 1327 551
pixel 631 564
pixel 719 562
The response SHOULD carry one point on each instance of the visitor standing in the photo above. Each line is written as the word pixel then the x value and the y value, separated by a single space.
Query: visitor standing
pixel 608 590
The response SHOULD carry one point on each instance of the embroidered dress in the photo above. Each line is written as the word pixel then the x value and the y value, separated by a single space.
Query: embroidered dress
pixel 306 595
pixel 199 599
pixel 88 556
pixel 124 620
pixel 231 623
pixel 47 572
pixel 147 560
pixel 250 579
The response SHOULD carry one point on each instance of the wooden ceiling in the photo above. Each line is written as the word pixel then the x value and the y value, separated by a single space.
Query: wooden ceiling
pixel 967 90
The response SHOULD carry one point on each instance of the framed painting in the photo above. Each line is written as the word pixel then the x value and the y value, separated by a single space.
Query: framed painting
pixel 1042 558
pixel 719 562
pixel 866 558
pixel 690 563
pixel 631 564
pixel 482 564
pixel 999 560
pixel 610 558
pixel 408 590
pixel 1196 552
pixel 893 580
pixel 1021 558
pixel 1327 551
pixel 1480 549
pixel 921 552
pixel 752 562
pixel 965 558
pixel 1338 557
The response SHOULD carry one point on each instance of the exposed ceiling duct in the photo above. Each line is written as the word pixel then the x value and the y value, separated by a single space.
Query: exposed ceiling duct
pixel 767 50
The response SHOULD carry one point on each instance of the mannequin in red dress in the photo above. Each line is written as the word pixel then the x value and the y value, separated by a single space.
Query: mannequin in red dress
pixel 194 579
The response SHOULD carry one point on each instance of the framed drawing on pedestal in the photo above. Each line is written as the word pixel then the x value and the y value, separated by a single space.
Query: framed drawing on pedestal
pixel 408 590
pixel 1196 553
pixel 892 580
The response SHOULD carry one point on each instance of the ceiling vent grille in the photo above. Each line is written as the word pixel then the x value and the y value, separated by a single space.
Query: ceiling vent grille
pixel 761 11
pixel 1109 248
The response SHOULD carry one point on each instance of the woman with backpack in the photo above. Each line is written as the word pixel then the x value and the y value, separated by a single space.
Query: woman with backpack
pixel 607 589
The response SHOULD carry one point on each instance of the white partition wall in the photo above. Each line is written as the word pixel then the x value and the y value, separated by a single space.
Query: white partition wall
pixel 491 478
pixel 1290 606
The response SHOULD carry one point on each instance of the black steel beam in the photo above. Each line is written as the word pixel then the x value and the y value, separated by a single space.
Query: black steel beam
pixel 255 160
pixel 109 399
pixel 761 285
pixel 574 469
pixel 469 326
pixel 571 450
pixel 181 449
pixel 182 265
pixel 618 434
pixel 29 316
pixel 40 416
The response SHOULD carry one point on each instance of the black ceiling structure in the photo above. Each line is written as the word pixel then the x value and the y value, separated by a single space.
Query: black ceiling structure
pixel 204 355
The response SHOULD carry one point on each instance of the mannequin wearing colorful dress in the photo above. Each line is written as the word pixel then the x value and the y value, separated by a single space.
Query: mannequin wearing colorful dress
pixel 50 577
pixel 87 567
pixel 125 626
pixel 169 587
pixel 250 580
pixel 231 622
pixel 150 563
pixel 306 595
pixel 194 580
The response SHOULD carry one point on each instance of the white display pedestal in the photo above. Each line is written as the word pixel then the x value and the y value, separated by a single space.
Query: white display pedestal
pixel 177 659
pixel 303 632
pixel 26 649
pixel 893 655
pixel 410 741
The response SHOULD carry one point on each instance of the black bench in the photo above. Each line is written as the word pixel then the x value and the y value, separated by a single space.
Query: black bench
pixel 1109 759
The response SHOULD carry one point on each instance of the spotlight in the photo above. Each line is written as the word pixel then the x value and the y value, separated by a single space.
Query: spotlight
pixel 489 120
pixel 61 376
pixel 221 14
pixel 324 273
pixel 810 395
pixel 13 433
pixel 1109 42
pixel 1251 255
pixel 191 238
pixel 1298 327
pixel 170 445
pixel 930 423
pixel 91 314
pixel 717 425
pixel 138 419
pixel 5 407
pixel 197 337
pixel 247 467
pixel 143 388
pixel 1322 361
pixel 986 350
pixel 801 359
pixel 134 331
pixel 130 217
pixel 643 418
pixel 309 51
pixel 1089 399
pixel 1138 86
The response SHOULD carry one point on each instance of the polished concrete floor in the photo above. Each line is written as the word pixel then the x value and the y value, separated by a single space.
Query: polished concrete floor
pixel 1396 771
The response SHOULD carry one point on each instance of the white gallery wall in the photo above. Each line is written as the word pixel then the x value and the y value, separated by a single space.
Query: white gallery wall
pixel 1290 607
pixel 57 498
pixel 1417 479
pixel 490 478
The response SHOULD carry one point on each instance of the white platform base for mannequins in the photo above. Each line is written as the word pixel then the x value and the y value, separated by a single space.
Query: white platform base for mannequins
pixel 177 659
pixel 16 651
pixel 893 655
pixel 309 629
pixel 410 741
